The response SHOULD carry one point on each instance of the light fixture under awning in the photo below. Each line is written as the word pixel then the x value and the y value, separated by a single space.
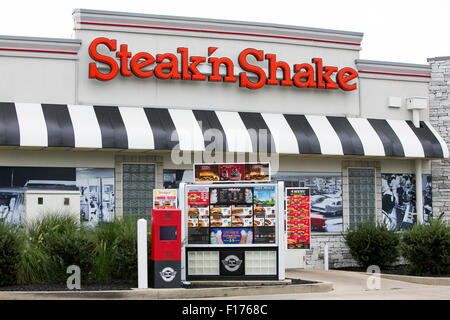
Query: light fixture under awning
pixel 143 128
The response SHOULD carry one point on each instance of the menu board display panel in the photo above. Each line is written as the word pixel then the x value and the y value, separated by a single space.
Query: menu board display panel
pixel 298 218
pixel 232 172
pixel 232 214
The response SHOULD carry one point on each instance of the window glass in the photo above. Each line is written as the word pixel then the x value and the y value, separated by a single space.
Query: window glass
pixel 361 195
pixel 138 184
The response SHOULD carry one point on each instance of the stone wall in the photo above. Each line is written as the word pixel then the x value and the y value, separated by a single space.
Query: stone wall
pixel 439 105
pixel 338 253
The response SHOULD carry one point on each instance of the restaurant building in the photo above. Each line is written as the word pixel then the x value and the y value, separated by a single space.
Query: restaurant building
pixel 134 100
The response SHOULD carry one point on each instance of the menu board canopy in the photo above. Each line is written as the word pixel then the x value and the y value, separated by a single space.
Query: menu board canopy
pixel 232 172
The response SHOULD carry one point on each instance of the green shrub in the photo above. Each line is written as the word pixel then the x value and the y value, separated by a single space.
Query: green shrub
pixel 116 250
pixel 9 253
pixel 427 248
pixel 373 244
pixel 58 241
pixel 35 264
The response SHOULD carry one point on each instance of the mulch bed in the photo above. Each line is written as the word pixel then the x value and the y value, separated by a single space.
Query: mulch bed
pixel 90 286
pixel 112 285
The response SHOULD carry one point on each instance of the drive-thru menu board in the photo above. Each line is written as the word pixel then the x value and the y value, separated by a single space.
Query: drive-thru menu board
pixel 298 218
pixel 231 215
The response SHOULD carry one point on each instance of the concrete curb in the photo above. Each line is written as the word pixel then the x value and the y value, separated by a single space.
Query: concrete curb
pixel 154 294
pixel 435 281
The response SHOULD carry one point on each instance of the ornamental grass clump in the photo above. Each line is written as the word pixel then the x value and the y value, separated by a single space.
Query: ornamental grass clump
pixel 10 242
pixel 116 250
pixel 427 248
pixel 56 241
pixel 373 244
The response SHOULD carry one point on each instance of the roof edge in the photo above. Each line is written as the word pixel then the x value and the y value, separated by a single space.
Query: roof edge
pixel 223 21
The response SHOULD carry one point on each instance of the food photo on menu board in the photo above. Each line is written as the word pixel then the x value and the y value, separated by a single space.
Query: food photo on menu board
pixel 229 195
pixel 232 172
pixel 257 172
pixel 206 172
pixel 298 218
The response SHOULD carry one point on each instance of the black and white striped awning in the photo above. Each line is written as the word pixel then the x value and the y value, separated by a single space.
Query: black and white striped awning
pixel 141 128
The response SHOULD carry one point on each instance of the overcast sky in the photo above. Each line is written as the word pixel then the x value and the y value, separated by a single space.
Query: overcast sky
pixel 394 30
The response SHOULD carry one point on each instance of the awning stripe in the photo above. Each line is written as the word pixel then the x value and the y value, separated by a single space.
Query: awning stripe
pixel 260 134
pixel 430 143
pixel 212 130
pixel 9 125
pixel 59 125
pixel 32 125
pixel 444 146
pixel 283 136
pixel 238 138
pixel 114 134
pixel 328 138
pixel 85 126
pixel 139 132
pixel 411 144
pixel 307 140
pixel 164 132
pixel 351 143
pixel 391 143
pixel 189 132
pixel 370 140
pixel 145 128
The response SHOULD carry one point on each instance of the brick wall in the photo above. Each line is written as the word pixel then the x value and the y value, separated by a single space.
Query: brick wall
pixel 439 105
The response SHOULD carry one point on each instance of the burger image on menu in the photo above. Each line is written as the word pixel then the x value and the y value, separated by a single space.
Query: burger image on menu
pixel 259 211
pixel 237 222
pixel 215 211
pixel 193 211
pixel 208 176
pixel 193 197
pixel 237 211
pixel 215 222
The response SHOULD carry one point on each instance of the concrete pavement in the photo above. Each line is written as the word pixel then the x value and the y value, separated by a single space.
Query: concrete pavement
pixel 353 286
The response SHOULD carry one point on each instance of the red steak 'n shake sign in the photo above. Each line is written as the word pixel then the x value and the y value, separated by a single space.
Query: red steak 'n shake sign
pixel 304 75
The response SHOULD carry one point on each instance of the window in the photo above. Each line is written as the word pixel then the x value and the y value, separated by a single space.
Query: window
pixel 138 184
pixel 66 201
pixel 361 184
pixel 40 200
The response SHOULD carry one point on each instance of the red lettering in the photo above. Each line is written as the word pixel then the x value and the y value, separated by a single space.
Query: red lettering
pixel 273 66
pixel 345 75
pixel 172 65
pixel 215 76
pixel 184 63
pixel 94 73
pixel 308 74
pixel 330 84
pixel 140 61
pixel 243 79
pixel 196 75
pixel 319 72
pixel 123 54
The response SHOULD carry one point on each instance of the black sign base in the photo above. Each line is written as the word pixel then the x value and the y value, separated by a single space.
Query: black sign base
pixel 165 274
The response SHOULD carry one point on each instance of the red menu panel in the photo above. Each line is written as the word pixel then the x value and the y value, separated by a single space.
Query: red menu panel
pixel 298 218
